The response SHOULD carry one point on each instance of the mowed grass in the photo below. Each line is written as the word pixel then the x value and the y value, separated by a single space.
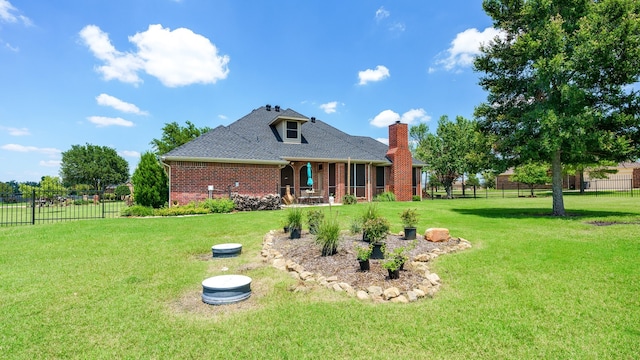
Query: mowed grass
pixel 532 286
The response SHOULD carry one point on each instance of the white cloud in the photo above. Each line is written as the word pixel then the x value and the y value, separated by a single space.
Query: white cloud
pixel 102 121
pixel 108 100
pixel 415 115
pixel 177 58
pixel 130 153
pixel 380 73
pixel 383 140
pixel 466 46
pixel 15 131
pixel 385 118
pixel 381 13
pixel 388 117
pixel 22 148
pixel 222 117
pixel 8 13
pixel 397 27
pixel 120 66
pixel 329 107
pixel 50 163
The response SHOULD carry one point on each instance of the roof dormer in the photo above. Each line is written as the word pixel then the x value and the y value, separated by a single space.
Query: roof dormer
pixel 289 127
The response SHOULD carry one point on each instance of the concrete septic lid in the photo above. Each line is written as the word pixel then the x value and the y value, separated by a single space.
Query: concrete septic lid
pixel 226 289
pixel 226 250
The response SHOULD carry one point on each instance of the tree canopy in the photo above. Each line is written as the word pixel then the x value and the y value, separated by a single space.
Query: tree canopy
pixel 560 80
pixel 455 149
pixel 91 164
pixel 174 135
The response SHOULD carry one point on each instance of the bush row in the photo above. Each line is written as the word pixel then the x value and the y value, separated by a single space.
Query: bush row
pixel 205 207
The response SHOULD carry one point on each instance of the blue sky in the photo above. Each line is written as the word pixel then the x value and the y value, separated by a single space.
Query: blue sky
pixel 112 73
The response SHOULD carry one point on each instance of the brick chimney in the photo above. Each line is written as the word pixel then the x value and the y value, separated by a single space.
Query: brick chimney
pixel 400 182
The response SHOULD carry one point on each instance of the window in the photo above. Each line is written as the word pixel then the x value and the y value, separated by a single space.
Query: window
pixel 292 130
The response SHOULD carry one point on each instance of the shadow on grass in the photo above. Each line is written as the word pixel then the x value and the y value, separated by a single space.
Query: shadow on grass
pixel 519 213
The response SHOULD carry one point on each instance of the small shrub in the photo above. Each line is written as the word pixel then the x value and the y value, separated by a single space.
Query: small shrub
pixel 189 209
pixel 314 217
pixel 416 198
pixel 376 230
pixel 81 202
pixel 364 253
pixel 385 196
pixel 355 227
pixel 328 236
pixel 219 206
pixel 294 218
pixel 349 199
pixel 409 218
pixel 137 210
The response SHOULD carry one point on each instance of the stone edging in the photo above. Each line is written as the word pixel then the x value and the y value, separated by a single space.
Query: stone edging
pixel 419 263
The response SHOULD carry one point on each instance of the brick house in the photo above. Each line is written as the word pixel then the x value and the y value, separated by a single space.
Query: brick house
pixel 270 148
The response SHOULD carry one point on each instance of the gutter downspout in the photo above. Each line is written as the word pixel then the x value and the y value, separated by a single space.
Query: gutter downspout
pixel 167 170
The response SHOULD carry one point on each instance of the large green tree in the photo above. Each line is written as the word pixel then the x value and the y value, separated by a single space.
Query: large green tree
pixel 455 149
pixel 91 164
pixel 150 182
pixel 174 135
pixel 560 83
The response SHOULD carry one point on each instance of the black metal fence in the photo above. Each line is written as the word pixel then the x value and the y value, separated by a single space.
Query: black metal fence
pixel 51 205
pixel 612 187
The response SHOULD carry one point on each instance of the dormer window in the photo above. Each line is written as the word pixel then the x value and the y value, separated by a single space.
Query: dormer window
pixel 292 130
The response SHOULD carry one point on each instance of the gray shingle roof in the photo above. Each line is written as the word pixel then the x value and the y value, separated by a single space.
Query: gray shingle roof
pixel 251 139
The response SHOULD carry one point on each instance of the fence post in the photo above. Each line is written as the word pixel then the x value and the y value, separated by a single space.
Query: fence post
pixel 101 197
pixel 33 207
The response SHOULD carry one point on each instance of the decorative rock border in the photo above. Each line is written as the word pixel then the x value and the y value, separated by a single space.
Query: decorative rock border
pixel 419 263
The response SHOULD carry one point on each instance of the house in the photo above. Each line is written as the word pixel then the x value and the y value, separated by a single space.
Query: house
pixel 271 149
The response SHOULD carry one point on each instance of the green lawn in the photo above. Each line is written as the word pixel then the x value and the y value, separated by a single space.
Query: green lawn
pixel 532 286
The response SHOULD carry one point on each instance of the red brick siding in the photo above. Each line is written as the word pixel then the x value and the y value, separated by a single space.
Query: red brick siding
pixel 190 180
pixel 400 181
pixel 636 178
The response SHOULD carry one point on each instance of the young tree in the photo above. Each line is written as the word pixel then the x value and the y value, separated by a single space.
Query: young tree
pixel 558 81
pixel 150 183
pixel 531 174
pixel 452 151
pixel 122 191
pixel 174 135
pixel 91 164
pixel 5 188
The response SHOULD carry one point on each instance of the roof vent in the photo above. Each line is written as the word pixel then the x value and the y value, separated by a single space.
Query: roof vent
pixel 397 121
pixel 268 107
pixel 277 108
pixel 313 119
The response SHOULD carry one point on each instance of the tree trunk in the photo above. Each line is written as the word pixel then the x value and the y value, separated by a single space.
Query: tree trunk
pixel 581 181
pixel 447 188
pixel 556 173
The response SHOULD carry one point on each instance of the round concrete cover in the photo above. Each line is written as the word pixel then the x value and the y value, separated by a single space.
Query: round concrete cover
pixel 226 250
pixel 226 289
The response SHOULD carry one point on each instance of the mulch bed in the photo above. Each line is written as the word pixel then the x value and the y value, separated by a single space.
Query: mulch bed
pixel 344 265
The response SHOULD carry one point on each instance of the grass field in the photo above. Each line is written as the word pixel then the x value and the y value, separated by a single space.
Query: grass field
pixel 532 286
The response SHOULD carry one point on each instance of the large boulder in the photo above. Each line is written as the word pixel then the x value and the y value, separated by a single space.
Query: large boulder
pixel 437 234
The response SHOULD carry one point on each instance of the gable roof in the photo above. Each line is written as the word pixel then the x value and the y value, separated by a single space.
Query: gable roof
pixel 252 139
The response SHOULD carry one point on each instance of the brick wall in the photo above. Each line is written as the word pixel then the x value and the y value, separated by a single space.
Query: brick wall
pixel 190 180
pixel 400 181
pixel 636 178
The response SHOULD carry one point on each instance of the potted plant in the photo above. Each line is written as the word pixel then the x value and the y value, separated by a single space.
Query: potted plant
pixel 393 267
pixel 362 255
pixel 314 217
pixel 370 213
pixel 400 256
pixel 294 222
pixel 377 231
pixel 328 236
pixel 409 219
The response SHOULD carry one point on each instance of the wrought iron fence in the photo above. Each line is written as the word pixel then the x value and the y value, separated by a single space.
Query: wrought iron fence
pixel 612 187
pixel 52 205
